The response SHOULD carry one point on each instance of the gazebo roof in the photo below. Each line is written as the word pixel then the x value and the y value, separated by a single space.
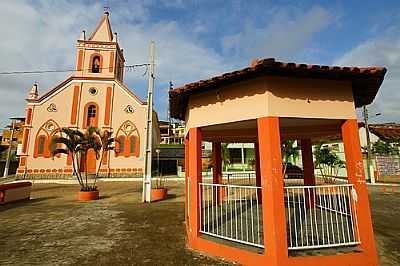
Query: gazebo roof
pixel 365 80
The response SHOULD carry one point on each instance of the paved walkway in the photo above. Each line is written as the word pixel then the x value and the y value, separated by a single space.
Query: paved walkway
pixel 54 229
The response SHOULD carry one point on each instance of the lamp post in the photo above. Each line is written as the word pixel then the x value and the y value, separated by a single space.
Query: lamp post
pixel 371 176
pixel 7 166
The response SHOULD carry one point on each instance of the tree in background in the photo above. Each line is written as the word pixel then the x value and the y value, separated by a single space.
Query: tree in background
pixel 328 162
pixel 383 147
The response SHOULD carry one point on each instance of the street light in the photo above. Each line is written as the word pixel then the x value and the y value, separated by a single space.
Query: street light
pixel 370 175
pixel 158 161
pixel 7 166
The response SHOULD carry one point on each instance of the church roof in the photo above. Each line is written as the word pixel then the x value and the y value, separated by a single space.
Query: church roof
pixel 365 81
pixel 103 32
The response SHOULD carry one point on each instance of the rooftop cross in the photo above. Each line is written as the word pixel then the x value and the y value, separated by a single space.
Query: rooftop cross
pixel 106 10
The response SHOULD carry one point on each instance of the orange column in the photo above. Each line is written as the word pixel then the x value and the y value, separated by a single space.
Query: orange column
pixel 355 173
pixel 217 169
pixel 308 171
pixel 274 221
pixel 186 142
pixel 258 171
pixel 194 178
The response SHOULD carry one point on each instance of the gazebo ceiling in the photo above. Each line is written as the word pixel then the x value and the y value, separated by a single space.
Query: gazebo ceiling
pixel 290 128
pixel 365 81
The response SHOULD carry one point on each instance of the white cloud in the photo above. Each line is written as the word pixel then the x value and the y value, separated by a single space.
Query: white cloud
pixel 42 35
pixel 285 35
pixel 384 51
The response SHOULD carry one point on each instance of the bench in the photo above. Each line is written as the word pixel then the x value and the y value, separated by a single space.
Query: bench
pixel 15 191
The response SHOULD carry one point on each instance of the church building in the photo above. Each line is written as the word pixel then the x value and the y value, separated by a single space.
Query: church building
pixel 95 95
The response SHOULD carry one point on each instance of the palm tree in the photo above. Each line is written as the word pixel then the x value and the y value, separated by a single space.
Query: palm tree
pixel 328 162
pixel 101 142
pixel 289 151
pixel 76 144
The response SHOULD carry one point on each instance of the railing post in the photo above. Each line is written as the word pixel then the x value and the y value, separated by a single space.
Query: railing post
pixel 355 173
pixel 258 171
pixel 274 220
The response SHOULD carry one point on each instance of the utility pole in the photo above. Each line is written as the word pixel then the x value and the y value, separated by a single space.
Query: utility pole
pixel 149 130
pixel 370 175
pixel 9 149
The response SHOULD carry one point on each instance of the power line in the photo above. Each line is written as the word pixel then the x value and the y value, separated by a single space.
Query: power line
pixel 128 67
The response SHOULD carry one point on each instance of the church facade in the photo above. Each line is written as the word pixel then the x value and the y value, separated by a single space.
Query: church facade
pixel 94 95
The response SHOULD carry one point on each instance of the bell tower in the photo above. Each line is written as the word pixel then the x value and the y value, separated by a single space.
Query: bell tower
pixel 100 55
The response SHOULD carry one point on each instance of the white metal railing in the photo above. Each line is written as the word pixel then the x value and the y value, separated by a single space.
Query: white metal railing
pixel 232 212
pixel 321 216
pixel 245 178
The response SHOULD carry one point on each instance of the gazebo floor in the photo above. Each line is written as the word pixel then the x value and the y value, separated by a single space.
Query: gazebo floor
pixel 291 253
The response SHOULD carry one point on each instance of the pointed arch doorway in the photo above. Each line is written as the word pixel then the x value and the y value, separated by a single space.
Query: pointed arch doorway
pixel 88 162
pixel 91 118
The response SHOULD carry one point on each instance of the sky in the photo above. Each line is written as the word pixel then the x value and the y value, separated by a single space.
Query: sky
pixel 199 39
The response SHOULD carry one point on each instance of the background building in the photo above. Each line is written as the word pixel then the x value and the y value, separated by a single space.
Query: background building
pixel 16 144
pixel 171 132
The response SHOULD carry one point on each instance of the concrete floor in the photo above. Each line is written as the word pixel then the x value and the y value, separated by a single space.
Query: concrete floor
pixel 54 229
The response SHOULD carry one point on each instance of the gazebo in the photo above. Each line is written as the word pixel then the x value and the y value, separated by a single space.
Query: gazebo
pixel 267 220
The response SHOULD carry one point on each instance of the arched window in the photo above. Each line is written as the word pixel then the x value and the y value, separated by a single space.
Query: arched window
pixel 43 139
pixel 128 143
pixel 96 64
pixel 41 145
pixel 91 115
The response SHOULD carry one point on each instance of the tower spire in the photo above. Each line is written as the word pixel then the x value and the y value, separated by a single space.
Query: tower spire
pixel 33 94
pixel 103 30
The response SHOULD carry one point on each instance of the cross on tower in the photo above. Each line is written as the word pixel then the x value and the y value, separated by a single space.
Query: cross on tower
pixel 106 10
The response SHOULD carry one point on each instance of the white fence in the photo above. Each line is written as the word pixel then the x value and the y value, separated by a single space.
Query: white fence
pixel 232 212
pixel 321 216
pixel 245 178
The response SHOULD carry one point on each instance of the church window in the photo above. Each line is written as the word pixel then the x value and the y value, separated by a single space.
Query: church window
pixel 93 91
pixel 41 143
pixel 96 64
pixel 128 140
pixel 91 115
pixel 120 145
pixel 132 144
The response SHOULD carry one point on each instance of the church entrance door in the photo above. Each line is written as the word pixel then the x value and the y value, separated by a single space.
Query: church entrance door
pixel 88 162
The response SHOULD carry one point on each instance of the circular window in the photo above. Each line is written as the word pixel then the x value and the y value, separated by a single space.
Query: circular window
pixel 93 91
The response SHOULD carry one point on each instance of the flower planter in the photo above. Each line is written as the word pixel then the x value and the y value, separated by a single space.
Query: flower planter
pixel 88 195
pixel 158 194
